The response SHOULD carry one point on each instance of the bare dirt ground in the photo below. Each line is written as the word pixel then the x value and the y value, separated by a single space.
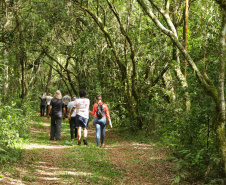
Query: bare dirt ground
pixel 141 163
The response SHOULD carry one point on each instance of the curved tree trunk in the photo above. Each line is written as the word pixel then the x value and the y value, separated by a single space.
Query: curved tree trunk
pixel 69 76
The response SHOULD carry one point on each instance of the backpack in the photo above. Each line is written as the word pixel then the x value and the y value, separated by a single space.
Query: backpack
pixel 100 111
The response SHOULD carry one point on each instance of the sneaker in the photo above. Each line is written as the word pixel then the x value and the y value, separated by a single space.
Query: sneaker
pixel 79 143
pixel 85 142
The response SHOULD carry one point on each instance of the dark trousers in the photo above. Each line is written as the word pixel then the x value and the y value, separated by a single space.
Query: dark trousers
pixel 47 109
pixel 55 131
pixel 42 110
pixel 73 128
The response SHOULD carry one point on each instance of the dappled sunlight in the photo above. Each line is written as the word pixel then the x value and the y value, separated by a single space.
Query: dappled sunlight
pixel 142 144
pixel 11 181
pixel 135 146
pixel 46 167
pixel 34 145
pixel 46 124
pixel 77 173
pixel 50 179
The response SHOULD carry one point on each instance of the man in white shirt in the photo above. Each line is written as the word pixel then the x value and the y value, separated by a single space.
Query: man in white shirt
pixel 82 116
pixel 73 128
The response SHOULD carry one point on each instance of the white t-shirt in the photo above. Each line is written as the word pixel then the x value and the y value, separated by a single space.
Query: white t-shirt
pixel 70 106
pixel 48 99
pixel 82 107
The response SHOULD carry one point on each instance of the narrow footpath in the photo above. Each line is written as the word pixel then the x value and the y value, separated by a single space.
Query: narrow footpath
pixel 64 162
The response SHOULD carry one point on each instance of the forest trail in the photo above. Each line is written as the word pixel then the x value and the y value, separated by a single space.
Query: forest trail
pixel 64 162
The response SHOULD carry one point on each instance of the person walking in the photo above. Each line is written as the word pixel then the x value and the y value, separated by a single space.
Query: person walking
pixel 42 104
pixel 82 116
pixel 58 112
pixel 100 111
pixel 48 99
pixel 73 129
pixel 66 100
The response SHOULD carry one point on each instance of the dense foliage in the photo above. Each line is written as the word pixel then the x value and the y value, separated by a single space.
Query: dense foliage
pixel 115 48
pixel 14 129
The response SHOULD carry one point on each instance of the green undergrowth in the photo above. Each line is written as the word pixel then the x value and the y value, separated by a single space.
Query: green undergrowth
pixel 91 164
pixel 14 132
pixel 138 136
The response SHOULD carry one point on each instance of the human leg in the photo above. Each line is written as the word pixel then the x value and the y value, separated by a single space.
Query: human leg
pixel 78 126
pixel 75 130
pixel 72 127
pixel 47 107
pixel 58 128
pixel 79 135
pixel 43 113
pixel 102 129
pixel 97 125
pixel 40 110
pixel 85 132
pixel 53 128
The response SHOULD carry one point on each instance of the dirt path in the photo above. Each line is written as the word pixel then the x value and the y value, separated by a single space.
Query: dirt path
pixel 43 162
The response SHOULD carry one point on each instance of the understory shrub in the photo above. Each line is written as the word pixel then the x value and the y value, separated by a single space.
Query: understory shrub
pixel 14 126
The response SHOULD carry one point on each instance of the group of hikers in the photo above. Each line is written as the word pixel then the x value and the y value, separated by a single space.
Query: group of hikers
pixel 77 112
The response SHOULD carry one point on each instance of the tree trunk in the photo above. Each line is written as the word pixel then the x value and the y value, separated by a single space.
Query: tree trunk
pixel 6 77
pixel 167 79
pixel 221 104
pixel 69 77
pixel 185 32
pixel 183 81
pixel 49 79
pixel 23 80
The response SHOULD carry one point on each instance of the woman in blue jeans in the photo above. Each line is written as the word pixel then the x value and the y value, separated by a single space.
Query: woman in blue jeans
pixel 101 112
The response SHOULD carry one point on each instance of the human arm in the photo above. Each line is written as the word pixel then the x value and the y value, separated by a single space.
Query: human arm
pixel 68 109
pixel 94 109
pixel 72 110
pixel 64 113
pixel 63 110
pixel 107 114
